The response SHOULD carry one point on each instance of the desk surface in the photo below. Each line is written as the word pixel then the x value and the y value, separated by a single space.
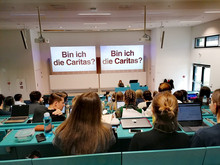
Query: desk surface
pixel 124 133
pixel 10 141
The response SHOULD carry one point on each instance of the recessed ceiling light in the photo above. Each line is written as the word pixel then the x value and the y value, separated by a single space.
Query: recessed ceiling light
pixel 25 14
pixel 212 12
pixel 96 14
pixel 190 21
pixel 95 23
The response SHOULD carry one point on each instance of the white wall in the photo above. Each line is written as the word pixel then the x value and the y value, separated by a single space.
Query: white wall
pixel 209 56
pixel 74 82
pixel 90 39
pixel 110 80
pixel 16 64
pixel 171 62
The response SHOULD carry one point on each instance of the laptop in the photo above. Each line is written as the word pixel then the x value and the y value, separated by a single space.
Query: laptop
pixel 192 96
pixel 135 123
pixel 109 98
pixel 190 117
pixel 19 114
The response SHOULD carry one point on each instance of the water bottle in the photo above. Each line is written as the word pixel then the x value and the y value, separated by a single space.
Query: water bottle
pixel 204 100
pixel 47 125
pixel 67 110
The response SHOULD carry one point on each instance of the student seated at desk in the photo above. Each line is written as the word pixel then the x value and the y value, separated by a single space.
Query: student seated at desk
pixel 179 96
pixel 2 113
pixel 162 87
pixel 56 104
pixel 163 135
pixel 18 99
pixel 139 96
pixel 111 103
pixel 83 132
pixel 8 103
pixel 36 101
pixel 209 136
pixel 147 100
pixel 185 96
pixel 118 100
pixel 204 96
pixel 129 109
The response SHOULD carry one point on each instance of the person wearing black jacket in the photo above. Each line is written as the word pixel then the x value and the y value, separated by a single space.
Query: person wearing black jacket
pixel 56 104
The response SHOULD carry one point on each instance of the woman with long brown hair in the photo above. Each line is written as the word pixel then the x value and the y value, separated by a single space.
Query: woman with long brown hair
pixel 83 132
pixel 164 133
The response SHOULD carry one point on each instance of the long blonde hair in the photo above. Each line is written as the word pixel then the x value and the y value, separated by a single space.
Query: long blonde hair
pixel 165 109
pixel 83 130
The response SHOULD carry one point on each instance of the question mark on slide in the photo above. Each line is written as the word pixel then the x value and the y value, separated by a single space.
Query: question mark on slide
pixel 93 60
pixel 140 59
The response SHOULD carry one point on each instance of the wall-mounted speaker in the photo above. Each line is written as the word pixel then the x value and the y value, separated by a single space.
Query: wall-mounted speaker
pixel 23 36
pixel 98 65
pixel 162 39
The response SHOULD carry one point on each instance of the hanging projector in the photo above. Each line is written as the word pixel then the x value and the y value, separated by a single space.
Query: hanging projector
pixel 40 39
pixel 145 38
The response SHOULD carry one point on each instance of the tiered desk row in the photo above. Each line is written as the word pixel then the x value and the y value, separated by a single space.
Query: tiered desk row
pixel 195 156
pixel 12 152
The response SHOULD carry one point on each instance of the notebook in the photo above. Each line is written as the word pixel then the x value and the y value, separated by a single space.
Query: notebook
pixel 120 104
pixel 190 117
pixel 19 114
pixel 135 123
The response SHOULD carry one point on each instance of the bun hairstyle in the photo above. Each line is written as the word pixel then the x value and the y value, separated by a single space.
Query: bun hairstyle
pixel 165 109
pixel 164 87
pixel 130 97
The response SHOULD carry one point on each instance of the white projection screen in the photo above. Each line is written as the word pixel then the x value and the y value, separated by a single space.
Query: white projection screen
pixel 122 57
pixel 73 59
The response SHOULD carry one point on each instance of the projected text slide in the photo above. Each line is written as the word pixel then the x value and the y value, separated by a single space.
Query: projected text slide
pixel 123 57
pixel 73 59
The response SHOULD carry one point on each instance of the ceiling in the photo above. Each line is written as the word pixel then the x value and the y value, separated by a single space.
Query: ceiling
pixel 70 15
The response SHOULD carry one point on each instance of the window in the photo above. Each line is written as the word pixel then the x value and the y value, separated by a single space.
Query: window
pixel 207 42
pixel 200 42
pixel 201 76
pixel 212 41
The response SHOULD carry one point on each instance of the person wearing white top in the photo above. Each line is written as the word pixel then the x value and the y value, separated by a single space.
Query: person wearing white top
pixel 147 100
pixel 162 88
pixel 18 99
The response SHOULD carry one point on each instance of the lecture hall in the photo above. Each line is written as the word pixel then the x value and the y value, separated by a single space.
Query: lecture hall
pixel 109 82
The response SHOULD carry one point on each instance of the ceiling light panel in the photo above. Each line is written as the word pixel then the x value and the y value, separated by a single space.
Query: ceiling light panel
pixel 94 14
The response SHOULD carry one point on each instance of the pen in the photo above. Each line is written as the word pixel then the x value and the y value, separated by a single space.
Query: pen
pixel 210 121
pixel 4 120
